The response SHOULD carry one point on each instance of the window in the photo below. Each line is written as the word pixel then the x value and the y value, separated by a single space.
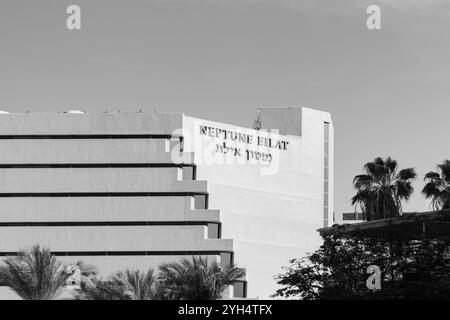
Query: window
pixel 240 289
pixel 213 231
pixel 200 201
pixel 226 259
pixel 326 171
pixel 188 173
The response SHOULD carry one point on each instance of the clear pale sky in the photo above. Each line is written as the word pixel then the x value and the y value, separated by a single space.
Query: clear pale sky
pixel 388 90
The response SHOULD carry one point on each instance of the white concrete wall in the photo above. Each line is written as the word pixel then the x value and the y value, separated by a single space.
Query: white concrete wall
pixel 106 238
pixel 112 238
pixel 266 219
pixel 271 218
pixel 96 180
pixel 56 151
pixel 90 123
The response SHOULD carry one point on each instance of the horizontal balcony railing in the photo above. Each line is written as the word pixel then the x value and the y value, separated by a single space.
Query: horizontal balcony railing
pixel 131 208
pixel 86 150
pixel 112 238
pixel 97 180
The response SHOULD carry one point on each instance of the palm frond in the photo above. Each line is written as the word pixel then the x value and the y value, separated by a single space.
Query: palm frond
pixel 407 174
pixel 196 279
pixel 437 187
pixel 381 189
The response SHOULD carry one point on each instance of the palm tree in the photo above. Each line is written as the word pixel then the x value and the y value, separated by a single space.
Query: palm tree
pixel 36 274
pixel 125 285
pixel 102 290
pixel 382 188
pixel 196 280
pixel 438 187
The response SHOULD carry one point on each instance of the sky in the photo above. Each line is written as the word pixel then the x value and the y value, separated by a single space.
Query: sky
pixel 388 90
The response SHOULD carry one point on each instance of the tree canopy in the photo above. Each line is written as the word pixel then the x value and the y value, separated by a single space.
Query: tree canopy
pixel 411 269
pixel 382 188
pixel 437 187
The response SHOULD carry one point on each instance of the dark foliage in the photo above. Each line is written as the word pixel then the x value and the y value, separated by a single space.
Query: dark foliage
pixel 437 187
pixel 382 188
pixel 124 285
pixel 337 271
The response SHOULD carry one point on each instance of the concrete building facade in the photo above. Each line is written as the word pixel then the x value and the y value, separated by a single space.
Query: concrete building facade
pixel 133 190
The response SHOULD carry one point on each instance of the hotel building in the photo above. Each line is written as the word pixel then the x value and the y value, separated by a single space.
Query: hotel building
pixel 133 190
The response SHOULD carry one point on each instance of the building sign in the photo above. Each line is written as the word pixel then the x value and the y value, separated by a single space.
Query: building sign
pixel 232 140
